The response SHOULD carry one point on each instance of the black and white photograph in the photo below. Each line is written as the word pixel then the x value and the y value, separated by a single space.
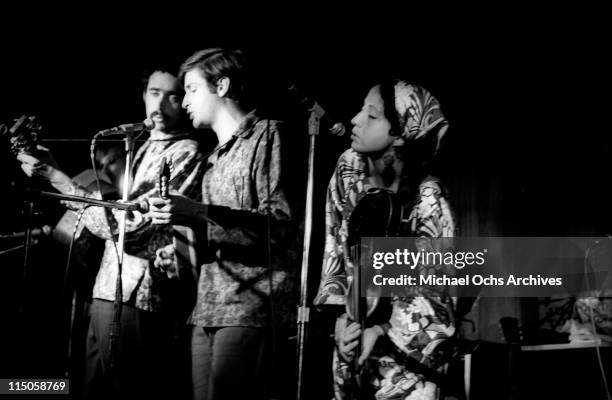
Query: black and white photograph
pixel 363 204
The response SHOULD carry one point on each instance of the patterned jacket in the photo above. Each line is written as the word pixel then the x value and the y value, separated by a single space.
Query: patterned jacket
pixel 143 285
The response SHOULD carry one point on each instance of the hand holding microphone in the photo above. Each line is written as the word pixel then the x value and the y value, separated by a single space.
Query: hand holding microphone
pixel 175 210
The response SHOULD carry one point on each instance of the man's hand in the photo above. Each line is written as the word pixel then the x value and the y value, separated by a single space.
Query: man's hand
pixel 177 210
pixel 164 257
pixel 44 156
pixel 43 165
pixel 165 260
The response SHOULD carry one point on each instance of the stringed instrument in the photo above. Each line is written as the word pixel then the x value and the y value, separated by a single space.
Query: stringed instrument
pixel 24 137
pixel 378 213
pixel 23 134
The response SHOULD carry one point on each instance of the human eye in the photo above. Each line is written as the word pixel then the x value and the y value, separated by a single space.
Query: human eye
pixel 372 112
pixel 174 98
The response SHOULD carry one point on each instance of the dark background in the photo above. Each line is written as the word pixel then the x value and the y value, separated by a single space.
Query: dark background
pixel 526 98
pixel 526 95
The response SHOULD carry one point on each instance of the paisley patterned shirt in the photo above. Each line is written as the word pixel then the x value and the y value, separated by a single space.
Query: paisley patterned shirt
pixel 143 285
pixel 244 177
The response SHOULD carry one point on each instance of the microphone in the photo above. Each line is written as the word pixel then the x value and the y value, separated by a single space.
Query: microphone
pixel 141 206
pixel 147 124
pixel 45 230
pixel 334 127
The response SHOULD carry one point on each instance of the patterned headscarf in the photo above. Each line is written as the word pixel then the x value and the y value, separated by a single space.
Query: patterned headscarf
pixel 419 115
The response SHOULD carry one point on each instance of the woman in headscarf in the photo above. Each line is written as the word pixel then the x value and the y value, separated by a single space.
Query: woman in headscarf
pixel 395 138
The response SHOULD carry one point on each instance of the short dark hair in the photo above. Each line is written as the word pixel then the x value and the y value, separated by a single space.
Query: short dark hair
pixel 150 70
pixel 217 63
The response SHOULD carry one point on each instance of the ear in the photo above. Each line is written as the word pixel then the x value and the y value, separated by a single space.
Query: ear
pixel 223 86
pixel 144 93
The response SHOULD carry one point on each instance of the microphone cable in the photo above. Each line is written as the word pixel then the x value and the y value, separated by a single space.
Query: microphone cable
pixel 116 324
pixel 72 315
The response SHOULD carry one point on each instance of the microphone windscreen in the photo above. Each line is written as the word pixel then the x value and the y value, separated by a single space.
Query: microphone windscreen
pixel 149 124
pixel 337 129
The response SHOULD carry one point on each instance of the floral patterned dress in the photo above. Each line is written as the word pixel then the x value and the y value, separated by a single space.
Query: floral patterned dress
pixel 403 364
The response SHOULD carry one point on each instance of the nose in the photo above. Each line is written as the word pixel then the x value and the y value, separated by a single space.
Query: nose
pixel 357 119
pixel 163 103
pixel 157 103
pixel 185 102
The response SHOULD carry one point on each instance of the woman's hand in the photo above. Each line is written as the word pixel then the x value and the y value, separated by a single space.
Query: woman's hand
pixel 370 336
pixel 347 339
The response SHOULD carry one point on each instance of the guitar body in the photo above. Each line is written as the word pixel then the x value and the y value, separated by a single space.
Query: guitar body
pixel 377 214
pixel 64 229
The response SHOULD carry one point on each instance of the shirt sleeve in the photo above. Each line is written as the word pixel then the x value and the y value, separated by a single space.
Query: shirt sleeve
pixel 185 180
pixel 96 219
pixel 333 285
pixel 249 228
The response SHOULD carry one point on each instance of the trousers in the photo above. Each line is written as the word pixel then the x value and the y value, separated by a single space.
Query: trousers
pixel 143 354
pixel 228 363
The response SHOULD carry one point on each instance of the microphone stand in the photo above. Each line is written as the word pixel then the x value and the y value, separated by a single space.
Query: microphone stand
pixel 6 251
pixel 129 148
pixel 116 324
pixel 28 212
pixel 303 311
pixel 87 200
pixel 79 199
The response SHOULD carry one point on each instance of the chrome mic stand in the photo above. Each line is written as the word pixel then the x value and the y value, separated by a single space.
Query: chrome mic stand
pixel 116 324
pixel 87 200
pixel 303 311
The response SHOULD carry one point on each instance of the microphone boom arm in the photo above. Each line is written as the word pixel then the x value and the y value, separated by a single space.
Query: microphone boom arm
pixel 95 202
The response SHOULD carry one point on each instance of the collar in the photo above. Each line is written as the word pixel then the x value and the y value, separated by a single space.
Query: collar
pixel 245 129
pixel 169 136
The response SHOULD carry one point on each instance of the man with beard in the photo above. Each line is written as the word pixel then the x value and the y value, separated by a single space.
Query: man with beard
pixel 140 364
